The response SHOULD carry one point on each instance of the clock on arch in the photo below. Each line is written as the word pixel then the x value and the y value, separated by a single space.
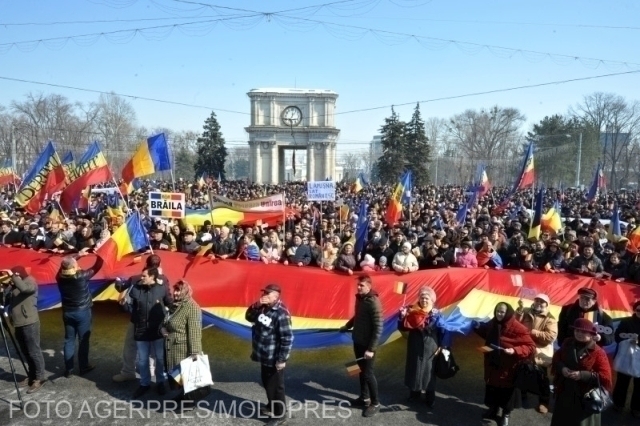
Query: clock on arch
pixel 291 116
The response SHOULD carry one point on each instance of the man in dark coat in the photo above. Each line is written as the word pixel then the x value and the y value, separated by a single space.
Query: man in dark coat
pixel 148 302
pixel 367 329
pixel 129 351
pixel 586 307
pixel 297 254
pixel 76 301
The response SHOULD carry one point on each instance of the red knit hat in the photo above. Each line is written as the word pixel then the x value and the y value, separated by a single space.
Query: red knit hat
pixel 585 325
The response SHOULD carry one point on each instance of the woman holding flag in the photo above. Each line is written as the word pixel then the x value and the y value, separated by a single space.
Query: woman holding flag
pixel 424 324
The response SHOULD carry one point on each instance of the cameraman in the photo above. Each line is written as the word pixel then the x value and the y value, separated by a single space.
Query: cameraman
pixel 21 297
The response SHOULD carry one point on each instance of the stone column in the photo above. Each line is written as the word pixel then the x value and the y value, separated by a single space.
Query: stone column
pixel 327 160
pixel 332 160
pixel 257 160
pixel 311 162
pixel 274 163
pixel 272 112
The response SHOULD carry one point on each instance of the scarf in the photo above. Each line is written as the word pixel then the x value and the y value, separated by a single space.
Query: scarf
pixel 495 333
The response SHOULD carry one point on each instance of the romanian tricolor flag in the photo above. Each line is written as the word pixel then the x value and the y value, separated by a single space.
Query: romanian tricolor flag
pixel 551 220
pixel 36 182
pixel 527 175
pixel 8 174
pixel 129 238
pixel 358 184
pixel 484 186
pixel 152 156
pixel 534 231
pixel 400 288
pixel 597 184
pixel 401 191
pixel 92 169
pixel 634 240
pixel 69 166
pixel 353 369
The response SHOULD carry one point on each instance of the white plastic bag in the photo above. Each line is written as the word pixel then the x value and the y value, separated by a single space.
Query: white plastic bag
pixel 627 360
pixel 195 374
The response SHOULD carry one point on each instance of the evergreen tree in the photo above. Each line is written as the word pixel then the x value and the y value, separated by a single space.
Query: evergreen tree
pixel 212 154
pixel 391 164
pixel 417 149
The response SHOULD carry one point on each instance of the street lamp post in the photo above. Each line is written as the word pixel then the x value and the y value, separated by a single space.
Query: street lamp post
pixel 579 160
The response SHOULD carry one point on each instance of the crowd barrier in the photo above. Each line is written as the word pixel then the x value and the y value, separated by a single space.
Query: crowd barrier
pixel 320 301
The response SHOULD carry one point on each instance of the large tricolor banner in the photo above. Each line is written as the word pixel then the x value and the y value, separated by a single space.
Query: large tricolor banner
pixel 464 294
pixel 264 204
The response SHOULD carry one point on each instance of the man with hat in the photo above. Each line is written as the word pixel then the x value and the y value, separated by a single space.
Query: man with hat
pixel 271 342
pixel 189 245
pixel 586 307
pixel 158 242
pixel 544 330
pixel 76 301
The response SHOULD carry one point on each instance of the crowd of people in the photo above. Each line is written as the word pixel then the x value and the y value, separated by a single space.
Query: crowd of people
pixel 166 324
pixel 324 234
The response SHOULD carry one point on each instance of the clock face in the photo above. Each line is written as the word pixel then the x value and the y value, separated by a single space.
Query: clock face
pixel 291 116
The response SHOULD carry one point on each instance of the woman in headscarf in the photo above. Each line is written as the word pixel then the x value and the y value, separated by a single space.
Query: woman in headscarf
pixel 425 334
pixel 183 330
pixel 510 343
pixel 579 366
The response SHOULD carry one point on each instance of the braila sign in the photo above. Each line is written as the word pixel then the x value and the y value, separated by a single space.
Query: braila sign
pixel 166 204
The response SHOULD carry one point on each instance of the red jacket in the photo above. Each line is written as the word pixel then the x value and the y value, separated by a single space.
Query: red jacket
pixel 514 335
pixel 595 361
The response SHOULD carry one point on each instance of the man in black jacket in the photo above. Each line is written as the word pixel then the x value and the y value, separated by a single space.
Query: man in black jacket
pixel 77 301
pixel 367 329
pixel 148 302
pixel 22 299
pixel 129 350
pixel 586 307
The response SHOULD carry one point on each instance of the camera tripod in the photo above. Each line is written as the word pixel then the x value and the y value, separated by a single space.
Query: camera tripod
pixel 5 330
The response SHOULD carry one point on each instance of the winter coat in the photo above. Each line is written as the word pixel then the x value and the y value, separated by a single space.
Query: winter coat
pixel 591 361
pixel 544 330
pixel 367 321
pixel 345 262
pixel 148 304
pixel 74 289
pixel 500 368
pixel 23 301
pixel 401 261
pixel 570 313
pixel 584 266
pixel 271 333
pixel 301 254
pixel 185 332
pixel 466 260
pixel 422 344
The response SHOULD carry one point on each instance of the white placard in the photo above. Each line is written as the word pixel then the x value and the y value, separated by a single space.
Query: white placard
pixel 166 204
pixel 322 190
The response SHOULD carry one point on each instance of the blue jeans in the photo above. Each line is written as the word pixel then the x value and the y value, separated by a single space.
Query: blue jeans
pixel 76 324
pixel 144 349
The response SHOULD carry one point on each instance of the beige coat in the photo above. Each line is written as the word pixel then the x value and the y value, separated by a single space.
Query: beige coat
pixel 544 330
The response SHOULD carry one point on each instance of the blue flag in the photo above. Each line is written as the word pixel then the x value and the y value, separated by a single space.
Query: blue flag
pixel 362 228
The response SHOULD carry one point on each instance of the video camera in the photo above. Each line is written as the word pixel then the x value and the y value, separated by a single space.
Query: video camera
pixel 5 279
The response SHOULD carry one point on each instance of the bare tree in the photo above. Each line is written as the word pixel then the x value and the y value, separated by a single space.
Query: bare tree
pixel 352 164
pixel 115 123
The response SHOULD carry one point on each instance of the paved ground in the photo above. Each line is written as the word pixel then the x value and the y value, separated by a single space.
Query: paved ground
pixel 315 380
